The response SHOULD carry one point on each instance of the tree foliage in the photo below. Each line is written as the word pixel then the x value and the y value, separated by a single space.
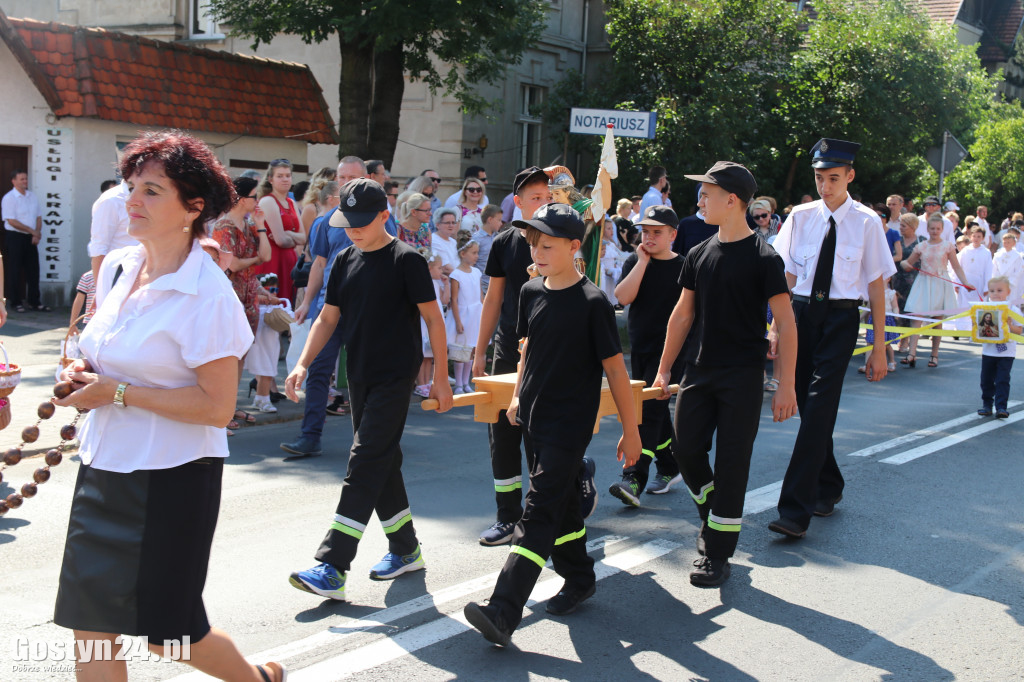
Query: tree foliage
pixel 752 81
pixel 994 175
pixel 451 45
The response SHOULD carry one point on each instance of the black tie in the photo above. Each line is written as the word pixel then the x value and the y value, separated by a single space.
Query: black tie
pixel 823 273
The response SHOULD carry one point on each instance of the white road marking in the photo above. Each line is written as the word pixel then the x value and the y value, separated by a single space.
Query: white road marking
pixel 338 633
pixel 923 433
pixel 935 446
pixel 385 650
pixel 759 499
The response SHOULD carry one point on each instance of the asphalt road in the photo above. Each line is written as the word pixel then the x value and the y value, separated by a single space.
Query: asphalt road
pixel 917 576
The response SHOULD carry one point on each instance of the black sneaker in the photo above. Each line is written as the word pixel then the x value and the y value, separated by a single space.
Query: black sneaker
pixel 303 447
pixel 785 526
pixel 489 622
pixel 710 572
pixel 588 495
pixel 338 407
pixel 985 412
pixel 826 507
pixel 568 599
pixel 1002 414
pixel 627 490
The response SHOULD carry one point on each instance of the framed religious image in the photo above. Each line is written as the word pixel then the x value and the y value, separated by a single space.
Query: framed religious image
pixel 989 323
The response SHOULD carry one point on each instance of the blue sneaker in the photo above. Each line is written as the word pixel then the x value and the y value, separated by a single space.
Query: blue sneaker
pixel 588 488
pixel 498 534
pixel 324 580
pixel 394 565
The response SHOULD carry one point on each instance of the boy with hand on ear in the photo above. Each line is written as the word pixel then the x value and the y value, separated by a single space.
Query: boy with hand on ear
pixel 571 338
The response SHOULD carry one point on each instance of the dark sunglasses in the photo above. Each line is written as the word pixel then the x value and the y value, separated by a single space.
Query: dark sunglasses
pixel 392 195
pixel 760 216
pixel 482 179
pixel 251 196
pixel 436 180
pixel 280 162
pixel 930 203
pixel 474 190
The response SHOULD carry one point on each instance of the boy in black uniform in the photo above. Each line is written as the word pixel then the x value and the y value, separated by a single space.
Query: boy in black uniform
pixel 650 287
pixel 378 287
pixel 721 316
pixel 571 335
pixel 507 269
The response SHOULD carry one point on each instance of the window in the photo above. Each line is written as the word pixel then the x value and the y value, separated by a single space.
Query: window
pixel 201 24
pixel 529 122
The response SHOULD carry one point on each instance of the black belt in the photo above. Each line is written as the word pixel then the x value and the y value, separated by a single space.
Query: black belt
pixel 833 302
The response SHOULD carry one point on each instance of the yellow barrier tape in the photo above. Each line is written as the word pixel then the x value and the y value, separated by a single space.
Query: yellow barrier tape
pixel 931 330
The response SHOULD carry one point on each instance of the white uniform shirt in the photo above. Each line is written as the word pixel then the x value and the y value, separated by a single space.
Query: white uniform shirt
pixel 157 338
pixel 109 230
pixel 862 254
pixel 981 222
pixel 22 207
pixel 947 229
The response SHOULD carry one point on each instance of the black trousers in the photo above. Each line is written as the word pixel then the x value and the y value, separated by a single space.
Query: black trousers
pixel 21 262
pixel 656 435
pixel 995 381
pixel 552 525
pixel 504 438
pixel 726 400
pixel 823 354
pixel 374 480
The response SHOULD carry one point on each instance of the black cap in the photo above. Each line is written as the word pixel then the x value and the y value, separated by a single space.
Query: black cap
pixel 557 220
pixel 527 174
pixel 732 177
pixel 362 200
pixel 931 200
pixel 829 153
pixel 660 215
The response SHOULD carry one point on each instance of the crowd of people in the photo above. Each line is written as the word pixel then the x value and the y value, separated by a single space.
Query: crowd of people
pixel 206 273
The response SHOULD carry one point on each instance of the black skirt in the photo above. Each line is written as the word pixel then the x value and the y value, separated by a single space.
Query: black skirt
pixel 137 551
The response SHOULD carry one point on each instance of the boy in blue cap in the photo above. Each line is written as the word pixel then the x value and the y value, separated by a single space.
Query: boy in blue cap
pixel 571 336
pixel 836 258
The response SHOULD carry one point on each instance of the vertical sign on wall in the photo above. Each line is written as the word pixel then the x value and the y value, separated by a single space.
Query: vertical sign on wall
pixel 52 161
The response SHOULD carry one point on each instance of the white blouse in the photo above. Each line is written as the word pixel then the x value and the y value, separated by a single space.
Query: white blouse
pixel 157 338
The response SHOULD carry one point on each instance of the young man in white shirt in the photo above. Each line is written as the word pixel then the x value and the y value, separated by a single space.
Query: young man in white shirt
pixel 658 178
pixel 846 238
pixel 24 225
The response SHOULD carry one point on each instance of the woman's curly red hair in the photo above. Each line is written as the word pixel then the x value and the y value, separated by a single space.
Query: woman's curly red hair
pixel 190 164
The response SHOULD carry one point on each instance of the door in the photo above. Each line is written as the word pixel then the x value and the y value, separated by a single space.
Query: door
pixel 11 159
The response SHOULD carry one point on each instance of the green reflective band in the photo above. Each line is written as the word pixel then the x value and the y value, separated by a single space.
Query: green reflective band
pixel 398 524
pixel 726 527
pixel 532 556
pixel 571 536
pixel 665 444
pixel 649 453
pixel 347 530
pixel 702 497
pixel 508 488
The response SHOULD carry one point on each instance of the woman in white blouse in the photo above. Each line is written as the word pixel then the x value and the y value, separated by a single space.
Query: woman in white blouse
pixel 159 376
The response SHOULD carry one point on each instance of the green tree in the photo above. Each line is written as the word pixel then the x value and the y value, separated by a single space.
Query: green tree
pixel 451 45
pixel 993 174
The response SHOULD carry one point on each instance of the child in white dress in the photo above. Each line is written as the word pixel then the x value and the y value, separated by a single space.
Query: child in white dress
pixel 466 307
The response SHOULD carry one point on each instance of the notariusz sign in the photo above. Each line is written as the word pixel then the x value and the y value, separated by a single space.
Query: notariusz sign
pixel 627 123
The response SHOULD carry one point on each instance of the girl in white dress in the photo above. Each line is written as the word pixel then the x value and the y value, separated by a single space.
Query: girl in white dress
pixel 931 291
pixel 612 259
pixel 466 306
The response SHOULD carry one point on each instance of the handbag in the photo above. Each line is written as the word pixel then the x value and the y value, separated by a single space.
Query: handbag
pixel 300 273
pixel 278 319
pixel 459 353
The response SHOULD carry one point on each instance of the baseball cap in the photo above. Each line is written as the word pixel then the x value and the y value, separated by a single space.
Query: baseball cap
pixel 930 200
pixel 557 220
pixel 732 177
pixel 362 200
pixel 527 174
pixel 950 206
pixel 660 215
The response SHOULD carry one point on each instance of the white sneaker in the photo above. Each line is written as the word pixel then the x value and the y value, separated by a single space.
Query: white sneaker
pixel 422 391
pixel 451 380
pixel 263 404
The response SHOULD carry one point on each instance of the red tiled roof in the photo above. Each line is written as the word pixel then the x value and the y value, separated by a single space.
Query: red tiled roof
pixel 91 72
pixel 997 43
pixel 944 11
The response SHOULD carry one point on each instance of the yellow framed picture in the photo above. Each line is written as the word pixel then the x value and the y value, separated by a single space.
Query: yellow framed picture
pixel 989 323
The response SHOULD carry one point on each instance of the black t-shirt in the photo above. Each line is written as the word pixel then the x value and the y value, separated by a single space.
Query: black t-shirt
pixel 509 258
pixel 569 333
pixel 732 284
pixel 377 292
pixel 657 296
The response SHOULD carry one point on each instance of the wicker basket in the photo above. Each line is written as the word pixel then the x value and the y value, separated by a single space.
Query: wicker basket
pixel 5 413
pixel 457 353
pixel 10 377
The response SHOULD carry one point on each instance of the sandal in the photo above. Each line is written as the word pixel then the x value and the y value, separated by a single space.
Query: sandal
pixel 934 362
pixel 771 385
pixel 233 425
pixel 911 360
pixel 19 308
pixel 245 417
pixel 230 432
pixel 278 673
pixel 891 367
